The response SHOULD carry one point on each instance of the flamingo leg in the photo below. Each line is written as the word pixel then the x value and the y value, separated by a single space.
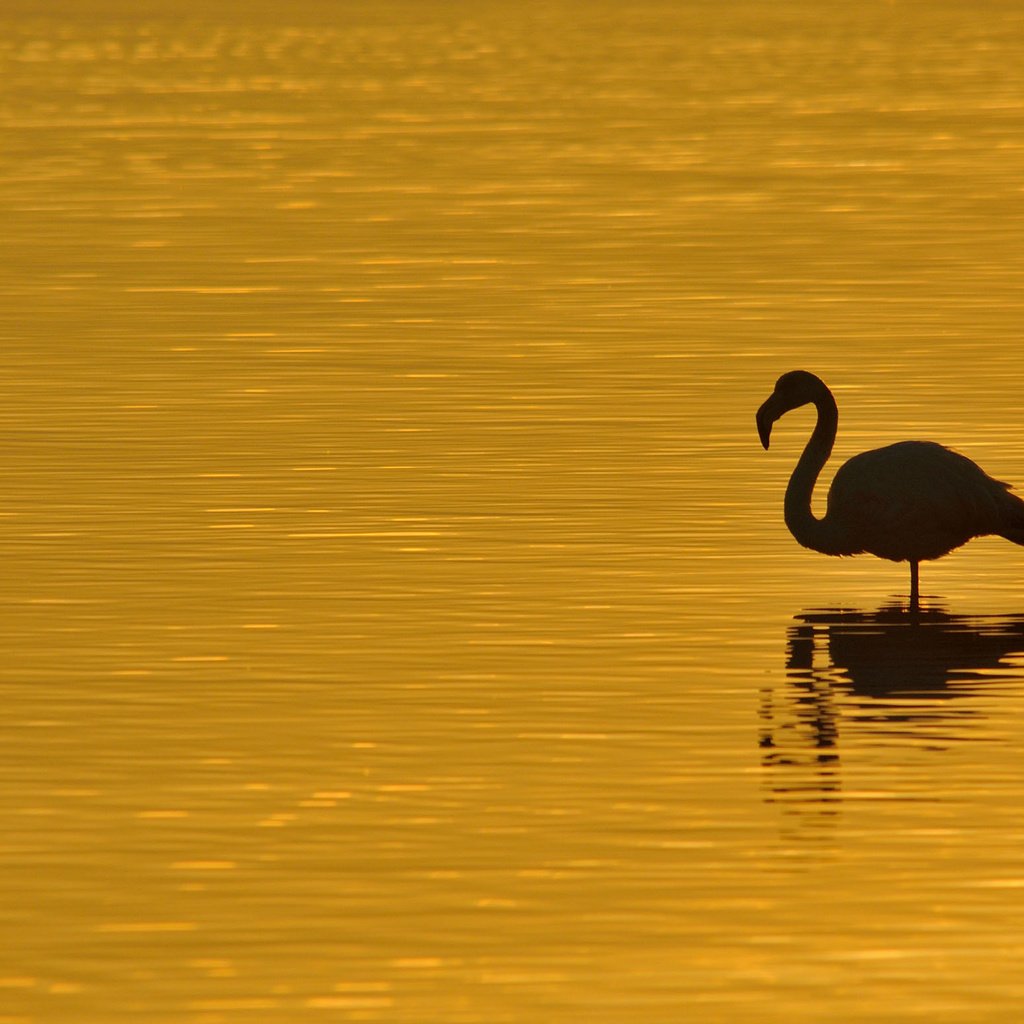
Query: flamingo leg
pixel 915 585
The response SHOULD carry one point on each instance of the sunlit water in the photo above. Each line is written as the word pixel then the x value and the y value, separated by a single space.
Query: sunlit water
pixel 399 622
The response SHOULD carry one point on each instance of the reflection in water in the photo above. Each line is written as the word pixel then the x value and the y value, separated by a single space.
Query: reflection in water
pixel 894 668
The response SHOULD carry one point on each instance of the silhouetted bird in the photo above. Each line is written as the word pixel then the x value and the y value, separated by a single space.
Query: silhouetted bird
pixel 908 502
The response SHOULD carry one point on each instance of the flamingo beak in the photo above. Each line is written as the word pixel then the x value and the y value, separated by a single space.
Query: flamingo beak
pixel 766 416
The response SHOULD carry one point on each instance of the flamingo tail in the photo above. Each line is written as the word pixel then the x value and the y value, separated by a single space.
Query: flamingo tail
pixel 1014 521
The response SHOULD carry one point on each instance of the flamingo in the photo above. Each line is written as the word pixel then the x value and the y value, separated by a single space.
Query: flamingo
pixel 908 502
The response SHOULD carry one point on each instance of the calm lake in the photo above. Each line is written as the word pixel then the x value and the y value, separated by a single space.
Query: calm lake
pixel 398 620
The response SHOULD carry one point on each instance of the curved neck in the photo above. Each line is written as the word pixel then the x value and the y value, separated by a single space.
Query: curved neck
pixel 817 534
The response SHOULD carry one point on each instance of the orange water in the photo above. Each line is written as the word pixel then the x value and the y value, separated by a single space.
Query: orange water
pixel 400 622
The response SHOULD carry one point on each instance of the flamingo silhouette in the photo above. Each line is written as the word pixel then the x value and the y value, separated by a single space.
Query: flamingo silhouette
pixel 908 502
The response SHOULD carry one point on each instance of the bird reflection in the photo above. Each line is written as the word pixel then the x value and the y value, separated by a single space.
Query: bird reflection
pixel 898 670
pixel 897 652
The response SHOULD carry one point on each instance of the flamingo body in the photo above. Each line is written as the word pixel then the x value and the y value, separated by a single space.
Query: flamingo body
pixel 909 502
pixel 917 501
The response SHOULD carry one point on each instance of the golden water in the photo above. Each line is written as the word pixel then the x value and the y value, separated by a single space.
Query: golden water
pixel 398 620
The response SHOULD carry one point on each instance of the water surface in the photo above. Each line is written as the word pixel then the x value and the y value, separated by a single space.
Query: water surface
pixel 399 620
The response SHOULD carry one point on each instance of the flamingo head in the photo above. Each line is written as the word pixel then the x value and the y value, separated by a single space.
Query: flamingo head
pixel 793 389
